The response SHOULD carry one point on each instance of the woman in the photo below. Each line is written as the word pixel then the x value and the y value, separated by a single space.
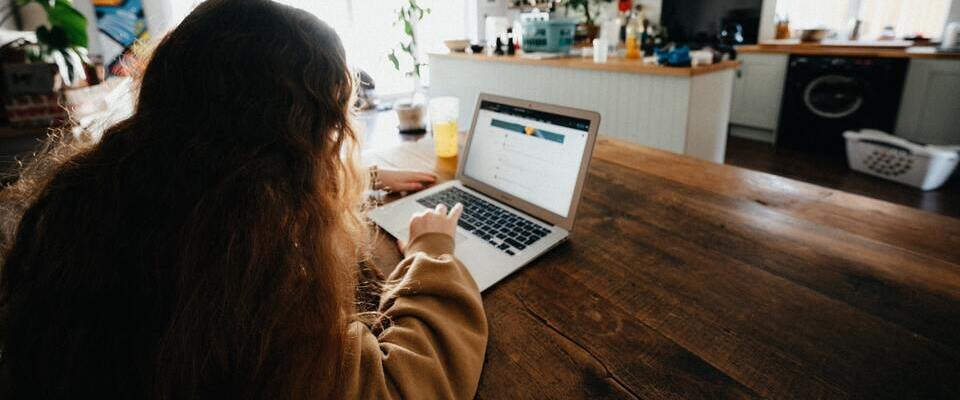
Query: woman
pixel 207 246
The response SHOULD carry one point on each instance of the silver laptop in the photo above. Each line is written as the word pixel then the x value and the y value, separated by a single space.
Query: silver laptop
pixel 519 179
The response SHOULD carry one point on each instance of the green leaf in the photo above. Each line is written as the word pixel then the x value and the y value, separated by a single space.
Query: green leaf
pixel 408 28
pixel 61 14
pixel 57 58
pixel 75 63
pixel 58 38
pixel 43 34
pixel 393 59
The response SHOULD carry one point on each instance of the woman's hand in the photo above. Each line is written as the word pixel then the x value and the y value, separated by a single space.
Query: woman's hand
pixel 393 180
pixel 436 220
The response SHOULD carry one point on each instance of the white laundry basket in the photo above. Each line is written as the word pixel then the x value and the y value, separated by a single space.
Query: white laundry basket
pixel 884 155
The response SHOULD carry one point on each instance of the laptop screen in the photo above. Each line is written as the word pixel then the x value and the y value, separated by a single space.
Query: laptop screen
pixel 529 154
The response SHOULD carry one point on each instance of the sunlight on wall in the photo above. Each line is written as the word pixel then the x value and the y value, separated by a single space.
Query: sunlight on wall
pixel 907 17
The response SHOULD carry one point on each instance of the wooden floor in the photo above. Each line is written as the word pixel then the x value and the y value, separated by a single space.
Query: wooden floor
pixel 835 174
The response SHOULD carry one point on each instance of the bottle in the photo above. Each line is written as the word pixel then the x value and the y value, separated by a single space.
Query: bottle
pixel 632 52
pixel 634 32
pixel 511 45
pixel 498 49
pixel 783 29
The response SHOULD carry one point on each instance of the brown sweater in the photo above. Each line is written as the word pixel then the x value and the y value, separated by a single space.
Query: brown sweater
pixel 434 343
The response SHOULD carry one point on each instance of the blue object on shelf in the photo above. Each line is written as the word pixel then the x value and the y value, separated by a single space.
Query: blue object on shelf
pixel 553 36
pixel 679 57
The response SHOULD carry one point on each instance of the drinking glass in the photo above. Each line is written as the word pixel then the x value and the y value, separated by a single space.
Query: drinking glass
pixel 444 112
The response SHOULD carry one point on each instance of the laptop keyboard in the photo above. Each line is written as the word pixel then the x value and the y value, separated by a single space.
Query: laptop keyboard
pixel 502 229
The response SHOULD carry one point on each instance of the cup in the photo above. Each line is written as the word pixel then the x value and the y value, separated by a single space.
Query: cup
pixel 410 117
pixel 600 49
pixel 444 112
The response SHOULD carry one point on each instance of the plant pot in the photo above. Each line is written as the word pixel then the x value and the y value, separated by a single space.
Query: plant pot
pixel 410 116
pixel 585 33
pixel 26 79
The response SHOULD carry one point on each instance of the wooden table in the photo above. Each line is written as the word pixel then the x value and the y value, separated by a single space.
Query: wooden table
pixel 688 279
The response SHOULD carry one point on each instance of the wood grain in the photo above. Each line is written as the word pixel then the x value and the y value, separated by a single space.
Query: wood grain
pixel 688 279
pixel 813 49
pixel 613 64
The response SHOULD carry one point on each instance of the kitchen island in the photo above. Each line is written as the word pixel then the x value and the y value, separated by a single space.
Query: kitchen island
pixel 682 110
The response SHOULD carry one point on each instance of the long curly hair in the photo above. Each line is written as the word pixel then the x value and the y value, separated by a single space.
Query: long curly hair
pixel 206 246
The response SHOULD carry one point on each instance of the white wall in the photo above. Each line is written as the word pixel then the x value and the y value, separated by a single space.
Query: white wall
pixel 768 30
pixel 954 11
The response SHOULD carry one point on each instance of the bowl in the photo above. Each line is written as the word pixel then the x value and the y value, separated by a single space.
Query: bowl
pixel 477 48
pixel 457 46
pixel 813 35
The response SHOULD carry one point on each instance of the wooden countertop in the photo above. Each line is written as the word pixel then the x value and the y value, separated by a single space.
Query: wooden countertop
pixel 612 64
pixel 690 279
pixel 813 49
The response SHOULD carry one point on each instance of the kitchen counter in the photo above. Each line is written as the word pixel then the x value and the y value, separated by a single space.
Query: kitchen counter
pixel 683 110
pixel 613 64
pixel 816 49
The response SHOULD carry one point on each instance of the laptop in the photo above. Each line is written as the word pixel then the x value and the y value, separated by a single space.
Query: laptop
pixel 519 178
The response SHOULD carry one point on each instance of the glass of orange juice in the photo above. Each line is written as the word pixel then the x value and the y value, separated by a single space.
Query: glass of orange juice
pixel 444 112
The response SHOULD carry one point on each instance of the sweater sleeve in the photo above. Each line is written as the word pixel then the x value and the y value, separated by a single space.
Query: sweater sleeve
pixel 435 335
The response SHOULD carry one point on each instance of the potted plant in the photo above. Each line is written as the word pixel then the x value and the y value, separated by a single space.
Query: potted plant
pixel 35 71
pixel 407 59
pixel 588 30
pixel 63 43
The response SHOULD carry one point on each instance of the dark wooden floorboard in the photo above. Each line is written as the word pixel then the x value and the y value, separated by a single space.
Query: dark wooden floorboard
pixel 833 172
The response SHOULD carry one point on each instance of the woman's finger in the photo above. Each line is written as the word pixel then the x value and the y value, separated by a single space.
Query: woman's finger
pixel 441 209
pixel 427 176
pixel 456 211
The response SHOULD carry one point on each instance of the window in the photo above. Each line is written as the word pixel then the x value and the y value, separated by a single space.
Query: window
pixel 368 33
pixel 907 17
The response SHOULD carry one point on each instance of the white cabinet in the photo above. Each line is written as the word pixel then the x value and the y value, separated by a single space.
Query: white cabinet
pixel 930 107
pixel 758 90
pixel 683 114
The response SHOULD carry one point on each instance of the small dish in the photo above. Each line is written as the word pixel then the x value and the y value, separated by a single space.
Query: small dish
pixel 457 46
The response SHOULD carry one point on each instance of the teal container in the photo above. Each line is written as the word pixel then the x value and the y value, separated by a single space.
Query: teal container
pixel 554 36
